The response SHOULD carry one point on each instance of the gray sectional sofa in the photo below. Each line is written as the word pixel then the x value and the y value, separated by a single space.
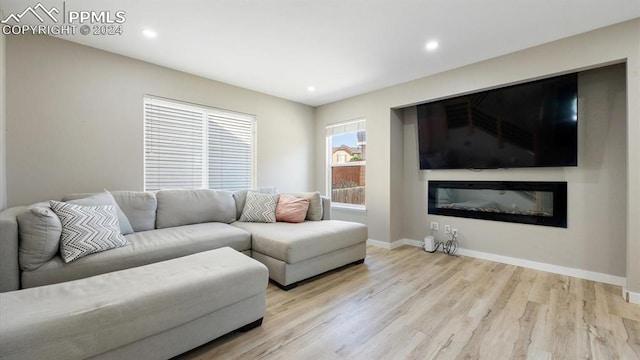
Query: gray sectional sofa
pixel 172 223
pixel 183 247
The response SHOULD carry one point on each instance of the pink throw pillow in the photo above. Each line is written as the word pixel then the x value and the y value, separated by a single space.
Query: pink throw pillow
pixel 291 209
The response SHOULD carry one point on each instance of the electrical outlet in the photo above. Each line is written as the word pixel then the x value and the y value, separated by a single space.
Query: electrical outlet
pixel 447 229
pixel 434 226
pixel 454 232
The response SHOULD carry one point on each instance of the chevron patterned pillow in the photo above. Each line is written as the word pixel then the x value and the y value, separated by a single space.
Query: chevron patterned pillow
pixel 87 229
pixel 259 208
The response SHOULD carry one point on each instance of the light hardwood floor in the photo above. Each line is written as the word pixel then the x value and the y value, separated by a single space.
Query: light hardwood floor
pixel 409 304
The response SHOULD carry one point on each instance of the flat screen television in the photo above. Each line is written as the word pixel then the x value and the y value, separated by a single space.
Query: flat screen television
pixel 534 124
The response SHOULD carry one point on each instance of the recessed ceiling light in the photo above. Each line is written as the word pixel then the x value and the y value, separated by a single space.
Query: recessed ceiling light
pixel 432 45
pixel 311 88
pixel 149 33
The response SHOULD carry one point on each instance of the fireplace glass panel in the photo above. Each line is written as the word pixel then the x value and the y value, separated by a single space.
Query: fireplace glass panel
pixel 537 203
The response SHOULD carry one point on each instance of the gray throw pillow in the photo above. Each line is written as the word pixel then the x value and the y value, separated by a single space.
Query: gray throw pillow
pixel 40 229
pixel 87 229
pixel 259 208
pixel 105 198
pixel 139 207
pixel 315 204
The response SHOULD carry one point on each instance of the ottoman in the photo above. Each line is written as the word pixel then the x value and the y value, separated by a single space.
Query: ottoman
pixel 154 311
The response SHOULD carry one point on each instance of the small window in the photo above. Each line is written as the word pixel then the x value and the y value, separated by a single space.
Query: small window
pixel 190 146
pixel 347 154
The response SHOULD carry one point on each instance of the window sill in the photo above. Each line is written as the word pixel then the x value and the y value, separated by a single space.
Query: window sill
pixel 347 207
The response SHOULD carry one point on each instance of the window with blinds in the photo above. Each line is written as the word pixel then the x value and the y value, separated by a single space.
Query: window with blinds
pixel 189 146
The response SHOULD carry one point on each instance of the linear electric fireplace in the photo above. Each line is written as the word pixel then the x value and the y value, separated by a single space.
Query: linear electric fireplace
pixel 537 203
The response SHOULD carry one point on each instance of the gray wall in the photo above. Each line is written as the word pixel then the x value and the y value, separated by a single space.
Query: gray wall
pixel 75 121
pixel 596 235
pixel 574 247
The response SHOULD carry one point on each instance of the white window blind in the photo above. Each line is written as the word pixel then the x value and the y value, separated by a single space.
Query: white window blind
pixel 230 150
pixel 188 146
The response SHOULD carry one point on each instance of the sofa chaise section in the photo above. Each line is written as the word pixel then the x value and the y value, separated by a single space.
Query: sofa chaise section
pixel 150 312
pixel 295 252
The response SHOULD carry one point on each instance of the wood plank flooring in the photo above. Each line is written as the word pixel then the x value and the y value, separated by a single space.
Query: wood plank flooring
pixel 409 304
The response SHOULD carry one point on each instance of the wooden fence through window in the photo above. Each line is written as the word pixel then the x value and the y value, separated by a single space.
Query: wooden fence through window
pixel 347 175
pixel 352 195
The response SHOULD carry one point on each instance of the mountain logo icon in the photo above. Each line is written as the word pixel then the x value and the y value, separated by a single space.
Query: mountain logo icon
pixel 36 11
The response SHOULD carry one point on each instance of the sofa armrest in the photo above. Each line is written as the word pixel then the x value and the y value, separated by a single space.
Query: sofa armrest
pixel 326 208
pixel 9 268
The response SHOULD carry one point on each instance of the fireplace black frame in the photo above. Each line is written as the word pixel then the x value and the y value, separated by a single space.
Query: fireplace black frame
pixel 559 190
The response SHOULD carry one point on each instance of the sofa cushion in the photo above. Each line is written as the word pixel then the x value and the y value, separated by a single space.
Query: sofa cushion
pixel 105 198
pixel 40 229
pixel 87 229
pixel 140 208
pixel 293 243
pixel 260 208
pixel 194 206
pixel 9 249
pixel 315 204
pixel 291 209
pixel 88 317
pixel 144 247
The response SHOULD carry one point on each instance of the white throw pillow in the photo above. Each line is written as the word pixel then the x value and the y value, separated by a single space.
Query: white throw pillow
pixel 259 208
pixel 87 229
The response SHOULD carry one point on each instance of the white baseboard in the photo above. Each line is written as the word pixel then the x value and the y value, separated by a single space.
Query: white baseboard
pixel 631 297
pixel 384 244
pixel 416 243
pixel 556 269
pixel 395 244
pixel 379 244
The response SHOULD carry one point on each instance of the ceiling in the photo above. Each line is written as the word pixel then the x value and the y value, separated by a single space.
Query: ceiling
pixel 341 47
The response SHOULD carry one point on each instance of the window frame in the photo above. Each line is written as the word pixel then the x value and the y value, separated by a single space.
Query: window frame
pixel 330 165
pixel 207 114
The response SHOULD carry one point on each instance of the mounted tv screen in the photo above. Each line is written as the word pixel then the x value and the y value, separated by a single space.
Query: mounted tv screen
pixel 534 124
